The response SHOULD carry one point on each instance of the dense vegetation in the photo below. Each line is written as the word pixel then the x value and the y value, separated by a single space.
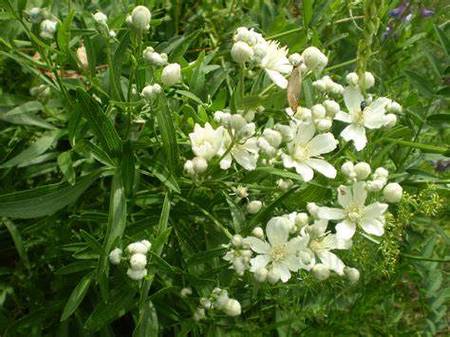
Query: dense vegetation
pixel 95 156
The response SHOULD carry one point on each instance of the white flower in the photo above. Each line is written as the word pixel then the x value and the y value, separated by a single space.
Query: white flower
pixel 279 254
pixel 138 261
pixel 154 57
pixel 392 192
pixel 276 64
pixel 171 74
pixel 320 245
pixel 101 18
pixel 199 314
pixel 254 206
pixel 314 59
pixel 245 153
pixel 305 150
pixel 232 308
pixel 48 29
pixel 354 212
pixel 136 274
pixel 115 256
pixel 360 117
pixel 151 91
pixel 240 191
pixel 140 18
pixel 241 52
pixel 206 141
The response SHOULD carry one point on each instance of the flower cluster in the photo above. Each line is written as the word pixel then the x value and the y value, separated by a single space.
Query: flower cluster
pixel 136 256
pixel 218 300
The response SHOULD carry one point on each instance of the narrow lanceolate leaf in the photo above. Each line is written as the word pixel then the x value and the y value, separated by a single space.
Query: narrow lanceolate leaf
pixel 44 200
pixel 77 296
pixel 24 114
pixel 128 168
pixel 18 242
pixel 100 123
pixel 147 325
pixel 34 150
pixel 168 135
pixel 117 215
pixel 116 67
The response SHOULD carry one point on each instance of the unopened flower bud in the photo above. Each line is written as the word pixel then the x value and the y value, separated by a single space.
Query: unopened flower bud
pixel 314 59
pixel 151 91
pixel 352 274
pixel 331 106
pixel 137 248
pixel 101 18
pixel 284 184
pixel 324 124
pixel 318 111
pixel 136 274
pixel 258 232
pixel 154 58
pixel 352 79
pixel 140 18
pixel 48 29
pixel 254 206
pixel 199 314
pixel 200 164
pixel 171 74
pixel 301 219
pixel 367 81
pixel 35 15
pixel 296 59
pixel 232 308
pixel 138 261
pixel 321 272
pixel 205 303
pixel 392 192
pixel 236 240
pixel 394 107
pixel 390 120
pixel 382 172
pixel 241 52
pixel 273 137
pixel 185 292
pixel 348 169
pixel 362 170
pixel 115 256
pixel 313 209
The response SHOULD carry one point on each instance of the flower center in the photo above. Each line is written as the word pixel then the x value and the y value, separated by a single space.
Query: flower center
pixel 354 213
pixel 315 245
pixel 302 153
pixel 278 252
pixel 358 117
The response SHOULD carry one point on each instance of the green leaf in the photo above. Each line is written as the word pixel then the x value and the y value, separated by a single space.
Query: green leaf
pixel 443 38
pixel 76 297
pixel 147 324
pixel 128 168
pixel 66 166
pixel 88 148
pixel 279 173
pixel 101 124
pixel 167 130
pixel 24 115
pixel 307 11
pixel 63 34
pixel 116 67
pixel 34 150
pixel 44 200
pixel 18 242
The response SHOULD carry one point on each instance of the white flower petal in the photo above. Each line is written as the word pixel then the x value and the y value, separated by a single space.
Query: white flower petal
pixel 226 162
pixel 282 270
pixel 305 171
pixel 345 196
pixel 322 167
pixel 359 193
pixel 343 117
pixel 323 143
pixel 277 230
pixel 373 120
pixel 345 230
pixel 357 134
pixel 331 261
pixel 292 262
pixel 372 226
pixel 257 245
pixel 378 106
pixel 353 98
pixel 259 262
pixel 277 78
pixel 305 132
pixel 329 213
pixel 375 210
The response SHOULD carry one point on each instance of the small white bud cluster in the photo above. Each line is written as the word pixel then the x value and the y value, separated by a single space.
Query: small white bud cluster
pixel 314 59
pixel 48 29
pixel 301 114
pixel 296 221
pixel 238 255
pixel 327 85
pixel 137 253
pixel 390 119
pixel 356 172
pixel 155 58
pixel 236 124
pixel 140 18
pixel 36 15
pixel 365 82
pixel 195 166
pixel 218 300
pixel 102 20
pixel 151 91
pixel 269 142
pixel 254 206
pixel 379 180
